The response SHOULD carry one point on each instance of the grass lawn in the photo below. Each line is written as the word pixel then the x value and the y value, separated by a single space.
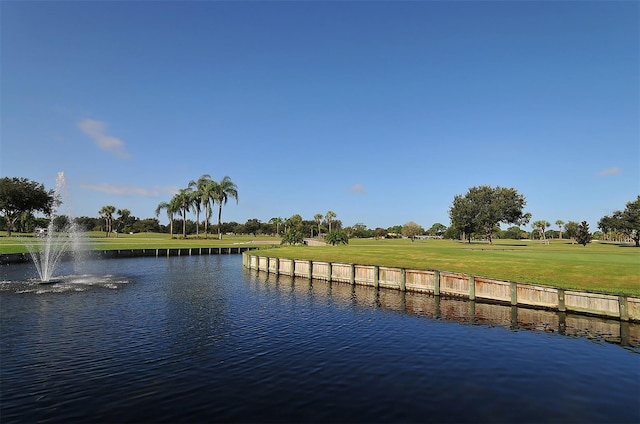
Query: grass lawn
pixel 599 267
pixel 97 241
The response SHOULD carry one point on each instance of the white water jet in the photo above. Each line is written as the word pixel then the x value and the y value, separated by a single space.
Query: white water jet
pixel 47 250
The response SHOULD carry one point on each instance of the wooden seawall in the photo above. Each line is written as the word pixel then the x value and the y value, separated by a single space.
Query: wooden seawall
pixel 451 284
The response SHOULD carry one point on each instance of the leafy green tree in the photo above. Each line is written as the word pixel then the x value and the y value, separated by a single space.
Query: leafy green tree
pixel 61 222
pixel 560 223
pixel 107 212
pixel 252 226
pixel 584 236
pixel 513 232
pixel 360 230
pixel 334 237
pixel 379 232
pixel 124 220
pixel 27 222
pixel 295 223
pixel 453 233
pixel 396 230
pixel 571 229
pixel 148 225
pixel 308 227
pixel 437 230
pixel 20 195
pixel 626 222
pixel 462 215
pixel 292 237
pixel 608 224
pixel 86 223
pixel 484 207
pixel 222 191
pixel 411 230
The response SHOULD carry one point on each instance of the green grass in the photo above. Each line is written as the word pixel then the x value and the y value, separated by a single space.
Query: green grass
pixel 97 241
pixel 605 268
pixel 599 267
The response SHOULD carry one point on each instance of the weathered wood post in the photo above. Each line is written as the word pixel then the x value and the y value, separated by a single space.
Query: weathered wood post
pixel 329 271
pixel 472 287
pixel 436 283
pixel 562 323
pixel 624 333
pixel 277 266
pixel 561 306
pixel 514 294
pixel 403 279
pixel 624 308
pixel 376 276
pixel 352 274
pixel 310 270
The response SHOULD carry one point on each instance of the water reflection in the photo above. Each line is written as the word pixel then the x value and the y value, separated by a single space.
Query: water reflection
pixel 459 310
pixel 200 339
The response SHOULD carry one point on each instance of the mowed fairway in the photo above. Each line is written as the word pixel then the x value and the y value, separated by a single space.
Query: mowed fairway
pixel 597 267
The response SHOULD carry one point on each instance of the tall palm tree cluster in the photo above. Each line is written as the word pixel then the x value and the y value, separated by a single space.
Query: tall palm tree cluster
pixel 201 195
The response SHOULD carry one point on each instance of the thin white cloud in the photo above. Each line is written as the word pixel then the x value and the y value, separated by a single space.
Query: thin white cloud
pixel 358 188
pixel 609 171
pixel 96 131
pixel 124 190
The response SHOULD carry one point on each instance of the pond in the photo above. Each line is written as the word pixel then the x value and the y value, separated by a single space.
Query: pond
pixel 200 339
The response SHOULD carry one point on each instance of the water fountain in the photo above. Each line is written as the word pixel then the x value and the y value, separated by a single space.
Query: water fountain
pixel 48 247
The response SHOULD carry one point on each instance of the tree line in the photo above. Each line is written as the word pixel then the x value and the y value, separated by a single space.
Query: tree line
pixel 475 215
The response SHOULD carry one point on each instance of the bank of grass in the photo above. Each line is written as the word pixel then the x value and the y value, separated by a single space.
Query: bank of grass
pixel 598 267
pixel 97 241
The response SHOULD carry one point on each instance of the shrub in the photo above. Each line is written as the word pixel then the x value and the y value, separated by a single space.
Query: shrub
pixel 337 237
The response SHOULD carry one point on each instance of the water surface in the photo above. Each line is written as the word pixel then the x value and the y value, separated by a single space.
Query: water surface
pixel 200 339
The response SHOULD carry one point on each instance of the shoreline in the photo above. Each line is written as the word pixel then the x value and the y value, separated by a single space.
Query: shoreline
pixel 453 284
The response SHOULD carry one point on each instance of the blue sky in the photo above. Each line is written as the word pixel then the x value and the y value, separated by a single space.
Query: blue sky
pixel 379 111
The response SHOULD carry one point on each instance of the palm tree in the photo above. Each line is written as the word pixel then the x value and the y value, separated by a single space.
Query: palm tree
pixel 171 212
pixel 202 199
pixel 329 217
pixel 540 226
pixel 184 201
pixel 222 191
pixel 107 212
pixel 276 221
pixel 207 196
pixel 318 218
pixel 560 223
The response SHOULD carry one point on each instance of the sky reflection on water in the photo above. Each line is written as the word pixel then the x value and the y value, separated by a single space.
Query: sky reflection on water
pixel 200 339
